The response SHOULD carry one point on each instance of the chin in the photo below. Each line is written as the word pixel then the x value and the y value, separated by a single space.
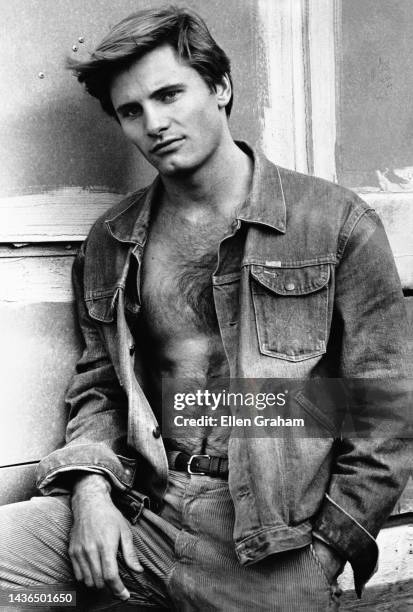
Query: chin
pixel 177 168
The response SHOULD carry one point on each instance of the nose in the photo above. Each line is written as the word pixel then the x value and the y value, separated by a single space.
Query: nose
pixel 156 121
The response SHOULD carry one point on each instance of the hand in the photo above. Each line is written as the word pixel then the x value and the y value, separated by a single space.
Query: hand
pixel 331 561
pixel 98 531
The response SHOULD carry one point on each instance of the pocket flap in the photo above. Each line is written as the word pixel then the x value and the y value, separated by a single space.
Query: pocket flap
pixel 292 281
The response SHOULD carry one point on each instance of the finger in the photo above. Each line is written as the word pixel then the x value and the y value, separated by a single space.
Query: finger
pixel 128 551
pixel 76 570
pixel 93 560
pixel 85 571
pixel 111 577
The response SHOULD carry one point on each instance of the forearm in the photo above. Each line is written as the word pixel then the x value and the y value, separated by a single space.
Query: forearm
pixel 88 485
pixel 88 491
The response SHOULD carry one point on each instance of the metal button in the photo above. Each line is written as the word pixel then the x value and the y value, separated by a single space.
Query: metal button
pixel 131 349
pixel 128 471
pixel 156 432
pixel 289 286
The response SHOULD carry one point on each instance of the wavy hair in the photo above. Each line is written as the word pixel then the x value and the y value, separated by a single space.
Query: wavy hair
pixel 142 32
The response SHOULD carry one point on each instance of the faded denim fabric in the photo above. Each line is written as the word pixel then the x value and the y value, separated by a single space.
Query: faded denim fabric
pixel 317 295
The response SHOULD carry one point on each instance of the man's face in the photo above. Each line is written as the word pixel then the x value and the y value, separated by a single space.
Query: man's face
pixel 168 111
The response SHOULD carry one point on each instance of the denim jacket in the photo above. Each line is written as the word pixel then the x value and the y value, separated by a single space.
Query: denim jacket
pixel 317 294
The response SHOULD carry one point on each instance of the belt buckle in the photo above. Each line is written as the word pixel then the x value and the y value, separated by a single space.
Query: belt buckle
pixel 191 458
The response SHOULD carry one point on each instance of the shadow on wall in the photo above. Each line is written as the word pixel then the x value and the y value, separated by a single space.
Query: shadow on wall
pixel 70 143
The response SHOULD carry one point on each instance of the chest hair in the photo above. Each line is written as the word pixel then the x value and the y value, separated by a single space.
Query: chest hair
pixel 177 273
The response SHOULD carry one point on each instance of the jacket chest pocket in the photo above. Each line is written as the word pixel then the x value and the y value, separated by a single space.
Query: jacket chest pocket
pixel 291 310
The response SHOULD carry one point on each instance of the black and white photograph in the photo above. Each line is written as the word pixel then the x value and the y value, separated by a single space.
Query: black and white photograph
pixel 206 305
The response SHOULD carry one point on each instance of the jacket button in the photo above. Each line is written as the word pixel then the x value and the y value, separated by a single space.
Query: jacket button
pixel 131 349
pixel 128 471
pixel 156 432
pixel 289 286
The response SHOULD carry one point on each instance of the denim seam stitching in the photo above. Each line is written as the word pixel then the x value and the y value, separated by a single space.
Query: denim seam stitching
pixel 349 516
pixel 346 236
pixel 329 258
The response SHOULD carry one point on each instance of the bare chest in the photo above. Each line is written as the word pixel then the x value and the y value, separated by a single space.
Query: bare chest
pixel 180 259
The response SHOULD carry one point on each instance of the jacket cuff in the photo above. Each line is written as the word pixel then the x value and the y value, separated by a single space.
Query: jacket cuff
pixel 55 472
pixel 352 541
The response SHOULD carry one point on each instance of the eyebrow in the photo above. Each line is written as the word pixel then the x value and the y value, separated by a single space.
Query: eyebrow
pixel 155 94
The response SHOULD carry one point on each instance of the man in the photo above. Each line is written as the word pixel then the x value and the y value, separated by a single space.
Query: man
pixel 227 266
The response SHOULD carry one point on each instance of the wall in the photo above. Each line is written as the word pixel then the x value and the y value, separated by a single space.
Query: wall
pixel 376 116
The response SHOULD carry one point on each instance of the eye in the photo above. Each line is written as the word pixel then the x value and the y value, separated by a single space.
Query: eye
pixel 131 111
pixel 170 96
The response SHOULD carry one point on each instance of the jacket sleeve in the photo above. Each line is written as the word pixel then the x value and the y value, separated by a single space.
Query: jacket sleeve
pixel 97 427
pixel 371 462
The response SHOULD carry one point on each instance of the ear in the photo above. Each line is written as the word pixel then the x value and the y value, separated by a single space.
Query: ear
pixel 223 91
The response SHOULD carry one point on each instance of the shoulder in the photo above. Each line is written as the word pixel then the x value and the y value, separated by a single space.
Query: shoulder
pixel 311 191
pixel 322 206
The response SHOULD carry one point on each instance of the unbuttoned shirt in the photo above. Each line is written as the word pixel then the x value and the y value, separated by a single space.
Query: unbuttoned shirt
pixel 314 294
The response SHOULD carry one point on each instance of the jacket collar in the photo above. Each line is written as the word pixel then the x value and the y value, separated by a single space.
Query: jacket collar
pixel 131 220
pixel 264 205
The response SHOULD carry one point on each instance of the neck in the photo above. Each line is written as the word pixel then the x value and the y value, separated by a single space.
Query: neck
pixel 218 187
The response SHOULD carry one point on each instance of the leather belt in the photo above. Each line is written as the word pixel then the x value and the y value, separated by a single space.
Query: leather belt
pixel 201 465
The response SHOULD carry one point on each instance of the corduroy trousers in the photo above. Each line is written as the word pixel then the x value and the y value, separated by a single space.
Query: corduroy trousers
pixel 187 553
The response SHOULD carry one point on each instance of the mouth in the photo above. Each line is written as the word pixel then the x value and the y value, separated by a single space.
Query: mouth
pixel 166 145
